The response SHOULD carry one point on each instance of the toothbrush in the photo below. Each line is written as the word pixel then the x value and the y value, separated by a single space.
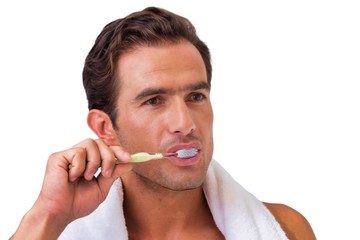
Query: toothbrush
pixel 144 156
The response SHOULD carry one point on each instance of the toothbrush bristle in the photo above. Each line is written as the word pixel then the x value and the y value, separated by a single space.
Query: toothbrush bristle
pixel 187 152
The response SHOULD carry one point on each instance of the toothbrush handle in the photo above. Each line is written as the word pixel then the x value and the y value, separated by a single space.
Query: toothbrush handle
pixel 144 156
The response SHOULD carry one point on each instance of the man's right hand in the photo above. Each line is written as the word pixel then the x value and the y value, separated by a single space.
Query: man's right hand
pixel 71 193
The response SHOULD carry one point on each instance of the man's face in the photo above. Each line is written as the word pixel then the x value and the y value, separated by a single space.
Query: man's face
pixel 164 106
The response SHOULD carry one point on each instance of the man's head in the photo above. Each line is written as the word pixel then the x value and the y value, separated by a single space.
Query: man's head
pixel 150 27
pixel 148 84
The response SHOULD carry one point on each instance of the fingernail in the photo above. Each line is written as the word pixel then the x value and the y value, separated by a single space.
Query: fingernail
pixel 89 176
pixel 72 178
pixel 108 173
pixel 126 156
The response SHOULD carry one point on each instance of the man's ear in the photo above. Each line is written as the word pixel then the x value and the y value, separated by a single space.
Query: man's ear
pixel 100 123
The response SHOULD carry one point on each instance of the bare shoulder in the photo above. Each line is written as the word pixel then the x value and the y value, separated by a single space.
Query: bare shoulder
pixel 292 222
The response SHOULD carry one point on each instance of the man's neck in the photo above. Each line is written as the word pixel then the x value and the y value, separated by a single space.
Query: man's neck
pixel 160 213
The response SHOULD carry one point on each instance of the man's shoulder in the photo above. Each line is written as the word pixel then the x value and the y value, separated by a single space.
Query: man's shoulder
pixel 294 224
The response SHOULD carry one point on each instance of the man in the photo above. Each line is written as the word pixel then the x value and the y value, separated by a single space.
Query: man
pixel 148 80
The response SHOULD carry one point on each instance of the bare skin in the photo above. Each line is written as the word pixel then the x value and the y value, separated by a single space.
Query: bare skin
pixel 292 222
pixel 68 195
pixel 168 98
pixel 163 105
pixel 171 215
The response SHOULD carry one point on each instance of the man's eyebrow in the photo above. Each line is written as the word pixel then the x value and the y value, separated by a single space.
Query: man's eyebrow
pixel 198 86
pixel 156 91
pixel 150 92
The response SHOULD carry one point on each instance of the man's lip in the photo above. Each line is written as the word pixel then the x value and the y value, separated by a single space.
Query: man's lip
pixel 175 148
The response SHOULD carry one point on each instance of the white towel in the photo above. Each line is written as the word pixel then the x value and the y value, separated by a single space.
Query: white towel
pixel 237 213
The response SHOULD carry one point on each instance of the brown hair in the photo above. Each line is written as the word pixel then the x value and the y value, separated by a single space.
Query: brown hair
pixel 150 27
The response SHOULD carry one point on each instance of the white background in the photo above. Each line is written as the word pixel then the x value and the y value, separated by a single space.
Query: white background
pixel 286 96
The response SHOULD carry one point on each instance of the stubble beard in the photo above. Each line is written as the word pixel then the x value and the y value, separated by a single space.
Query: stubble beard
pixel 161 180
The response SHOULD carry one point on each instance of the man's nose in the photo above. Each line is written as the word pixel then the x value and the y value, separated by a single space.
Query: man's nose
pixel 180 119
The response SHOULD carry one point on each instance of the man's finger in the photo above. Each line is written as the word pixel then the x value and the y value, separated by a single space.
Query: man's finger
pixel 93 158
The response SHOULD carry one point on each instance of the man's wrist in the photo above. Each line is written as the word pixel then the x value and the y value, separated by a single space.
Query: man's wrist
pixel 41 224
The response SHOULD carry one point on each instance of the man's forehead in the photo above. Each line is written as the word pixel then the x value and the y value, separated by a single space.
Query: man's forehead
pixel 152 60
pixel 151 67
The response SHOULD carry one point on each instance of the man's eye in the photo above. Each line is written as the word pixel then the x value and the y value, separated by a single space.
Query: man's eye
pixel 153 101
pixel 197 97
